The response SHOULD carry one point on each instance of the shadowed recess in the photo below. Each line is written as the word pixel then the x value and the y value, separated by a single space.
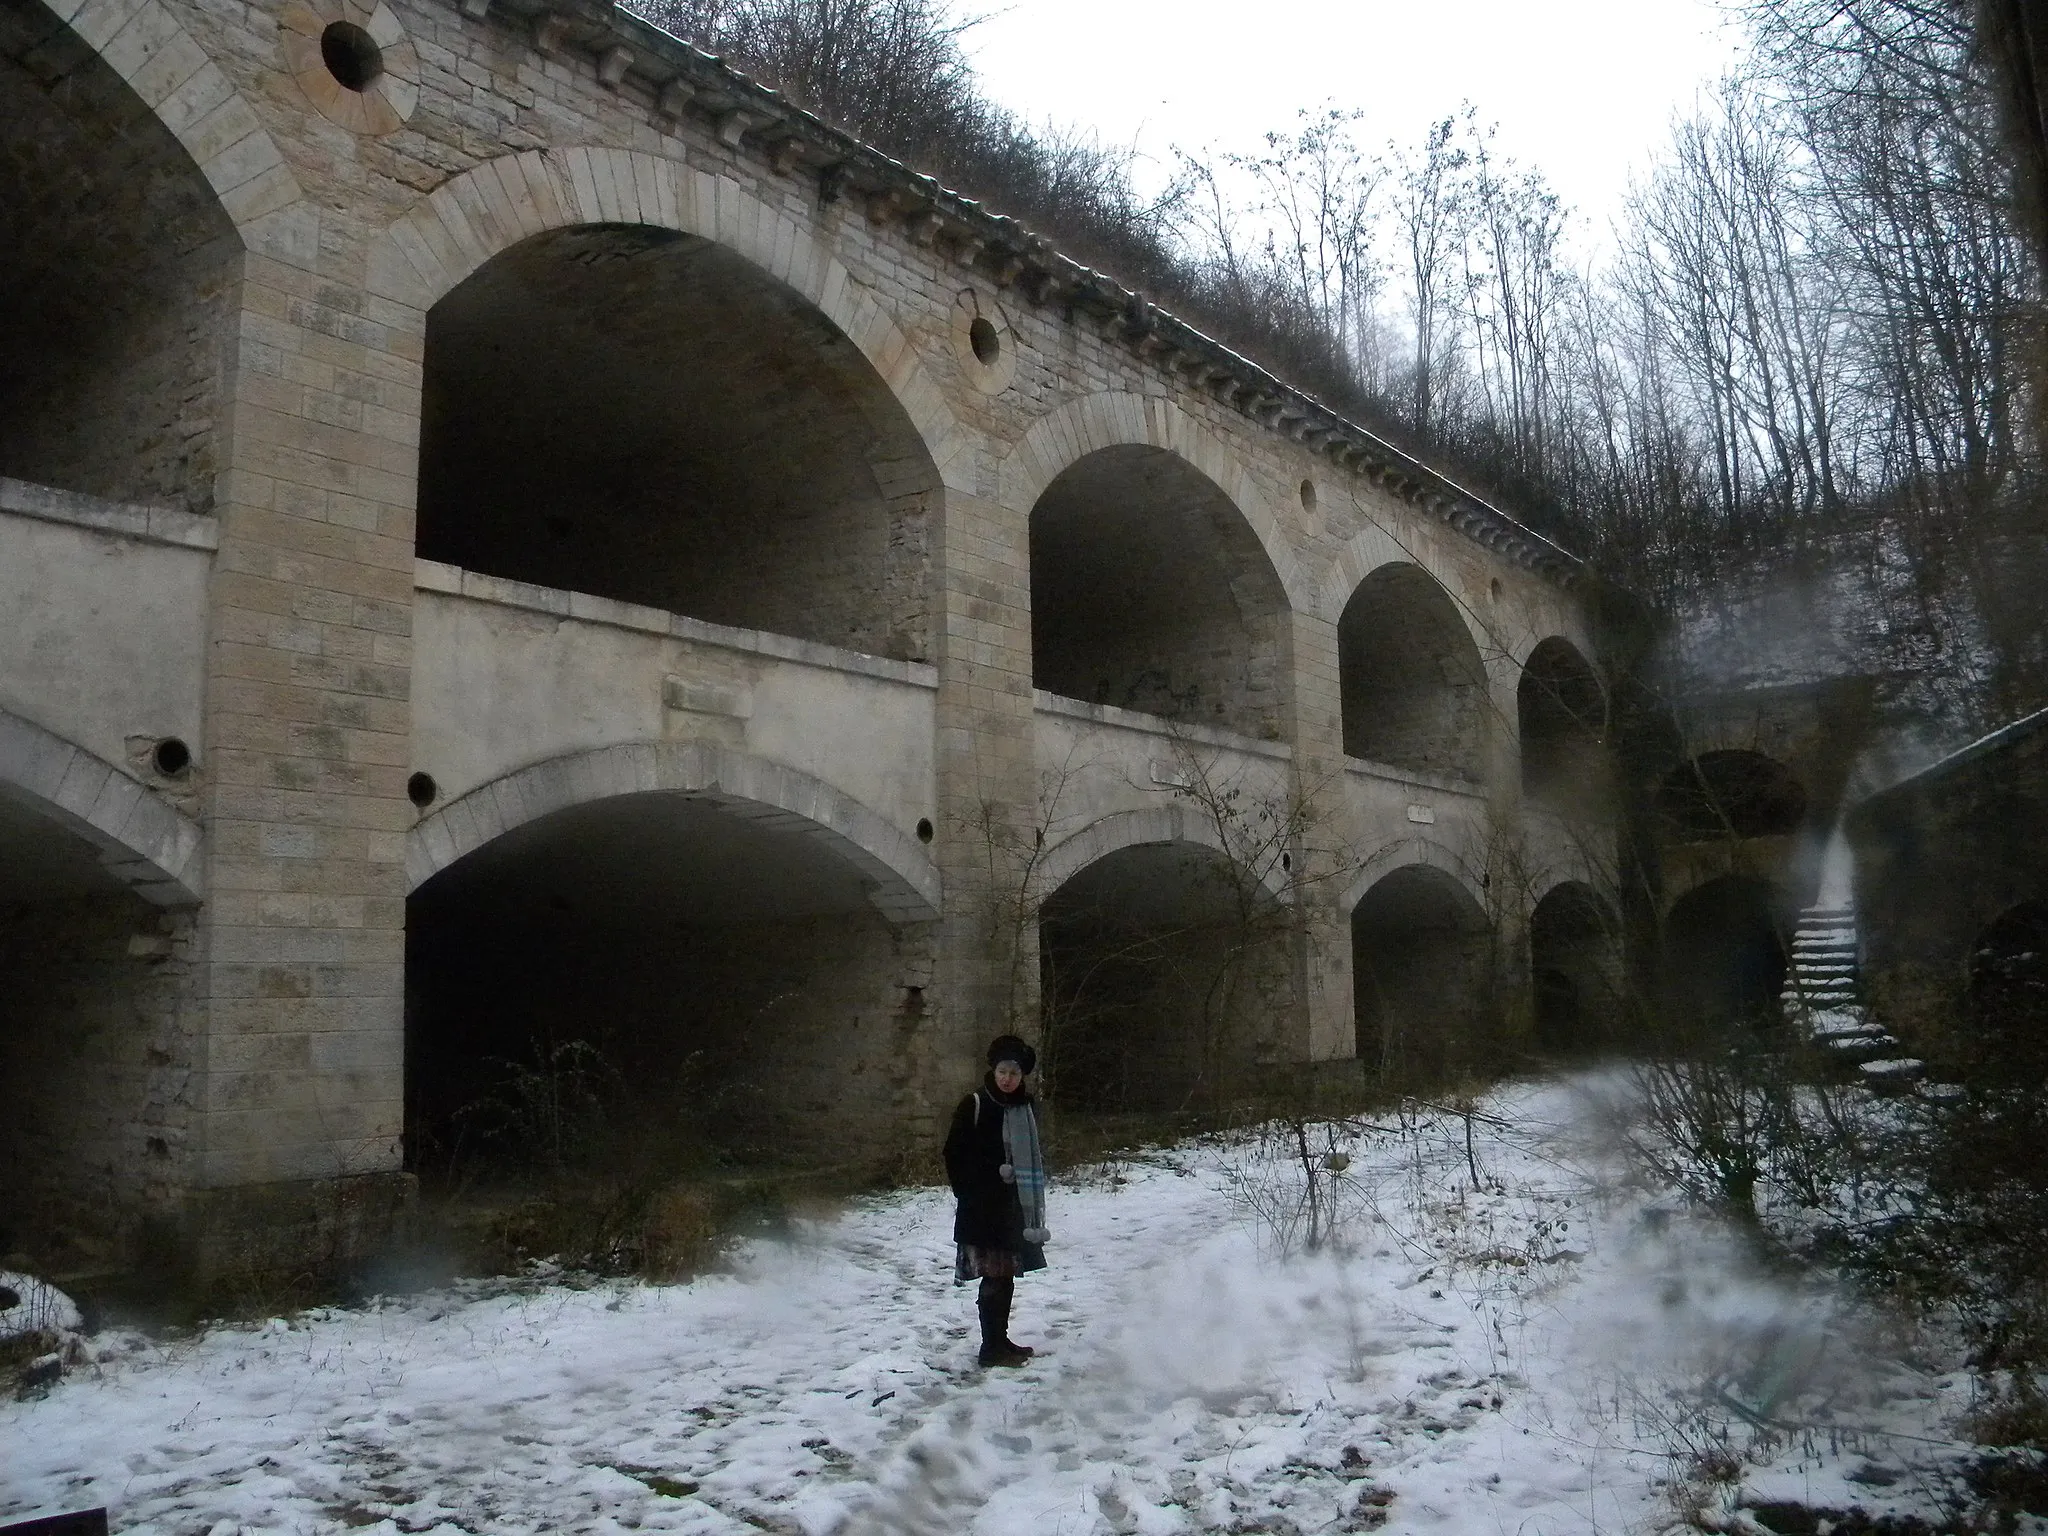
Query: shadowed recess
pixel 1725 948
pixel 647 416
pixel 1561 720
pixel 89 1044
pixel 1421 973
pixel 117 266
pixel 1149 591
pixel 1732 794
pixel 1576 971
pixel 1413 687
pixel 1159 966
pixel 725 983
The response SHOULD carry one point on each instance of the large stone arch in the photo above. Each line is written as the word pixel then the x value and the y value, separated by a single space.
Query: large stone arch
pixel 144 43
pixel 1413 681
pixel 1133 829
pixel 903 883
pixel 142 839
pixel 1158 981
pixel 1115 419
pixel 1412 850
pixel 1560 724
pixel 1375 547
pixel 1424 968
pixel 486 210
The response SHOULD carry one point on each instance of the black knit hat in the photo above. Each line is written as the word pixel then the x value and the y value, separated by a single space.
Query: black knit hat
pixel 1010 1048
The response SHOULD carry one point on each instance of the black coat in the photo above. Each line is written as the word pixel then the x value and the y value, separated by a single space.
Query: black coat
pixel 990 1214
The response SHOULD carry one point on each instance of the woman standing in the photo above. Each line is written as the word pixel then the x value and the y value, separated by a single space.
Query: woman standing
pixel 997 1171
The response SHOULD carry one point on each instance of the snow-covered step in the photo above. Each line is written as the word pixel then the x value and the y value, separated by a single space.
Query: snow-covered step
pixel 1894 1074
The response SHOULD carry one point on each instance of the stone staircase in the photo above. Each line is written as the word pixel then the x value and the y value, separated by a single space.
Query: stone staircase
pixel 1821 989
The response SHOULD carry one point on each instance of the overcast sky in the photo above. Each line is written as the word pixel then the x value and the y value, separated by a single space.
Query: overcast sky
pixel 1583 88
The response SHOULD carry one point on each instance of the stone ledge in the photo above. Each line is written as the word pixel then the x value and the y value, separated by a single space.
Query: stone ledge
pixel 503 592
pixel 132 520
pixel 1415 778
pixel 1157 725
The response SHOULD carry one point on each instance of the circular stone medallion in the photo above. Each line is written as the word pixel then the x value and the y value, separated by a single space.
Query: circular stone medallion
pixel 353 61
pixel 983 342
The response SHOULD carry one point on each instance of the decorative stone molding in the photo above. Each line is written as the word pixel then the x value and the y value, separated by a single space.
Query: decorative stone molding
pixel 353 61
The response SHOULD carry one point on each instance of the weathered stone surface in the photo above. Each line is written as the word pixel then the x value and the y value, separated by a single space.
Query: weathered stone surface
pixel 730 513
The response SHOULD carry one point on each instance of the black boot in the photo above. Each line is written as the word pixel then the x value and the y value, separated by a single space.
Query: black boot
pixel 993 1304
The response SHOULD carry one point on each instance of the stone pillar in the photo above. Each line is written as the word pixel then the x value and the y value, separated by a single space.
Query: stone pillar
pixel 987 785
pixel 298 1084
pixel 1317 734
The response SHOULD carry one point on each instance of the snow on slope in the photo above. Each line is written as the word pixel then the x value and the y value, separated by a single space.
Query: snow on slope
pixel 1514 1359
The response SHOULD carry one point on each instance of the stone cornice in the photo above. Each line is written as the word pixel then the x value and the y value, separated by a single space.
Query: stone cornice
pixel 677 80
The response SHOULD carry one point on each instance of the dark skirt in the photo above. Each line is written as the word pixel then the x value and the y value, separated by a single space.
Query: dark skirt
pixel 972 1261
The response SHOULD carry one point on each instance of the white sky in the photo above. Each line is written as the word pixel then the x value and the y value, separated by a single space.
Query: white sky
pixel 1585 89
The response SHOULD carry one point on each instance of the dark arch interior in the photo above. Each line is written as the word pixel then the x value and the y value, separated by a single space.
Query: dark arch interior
pixel 1561 715
pixel 1725 951
pixel 1732 794
pixel 1160 969
pixel 645 415
pixel 90 1045
pixel 117 268
pixel 1413 687
pixel 693 986
pixel 1422 979
pixel 1149 592
pixel 1575 970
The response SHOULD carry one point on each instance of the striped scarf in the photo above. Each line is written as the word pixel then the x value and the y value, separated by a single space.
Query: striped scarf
pixel 1027 1161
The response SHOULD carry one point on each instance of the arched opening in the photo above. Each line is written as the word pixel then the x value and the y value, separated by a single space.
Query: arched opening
pixel 646 415
pixel 1149 591
pixel 92 1049
pixel 1575 971
pixel 1731 794
pixel 1725 948
pixel 1561 713
pixel 117 276
pixel 1422 974
pixel 2008 991
pixel 1413 687
pixel 649 986
pixel 1162 975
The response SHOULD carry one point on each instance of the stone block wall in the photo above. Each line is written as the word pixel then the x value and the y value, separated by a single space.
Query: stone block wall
pixel 96 1026
pixel 351 225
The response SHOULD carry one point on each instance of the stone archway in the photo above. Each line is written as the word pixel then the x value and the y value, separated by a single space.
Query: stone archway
pixel 902 882
pixel 1150 591
pixel 1113 419
pixel 1726 948
pixel 120 253
pixel 1163 968
pixel 1412 682
pixel 138 837
pixel 1560 716
pixel 1423 977
pixel 99 876
pixel 1576 971
pixel 487 210
pixel 706 955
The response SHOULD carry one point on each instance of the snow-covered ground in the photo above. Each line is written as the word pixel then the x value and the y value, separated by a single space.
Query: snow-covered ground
pixel 1519 1358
